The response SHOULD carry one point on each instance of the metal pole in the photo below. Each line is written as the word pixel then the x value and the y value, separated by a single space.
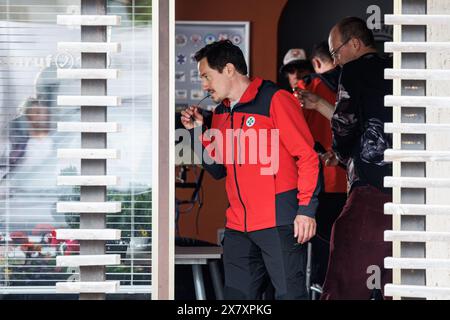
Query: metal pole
pixel 413 142
pixel 93 140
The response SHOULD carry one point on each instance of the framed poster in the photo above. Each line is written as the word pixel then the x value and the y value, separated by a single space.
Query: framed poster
pixel 191 36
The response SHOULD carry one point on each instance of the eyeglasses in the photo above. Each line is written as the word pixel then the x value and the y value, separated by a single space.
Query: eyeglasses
pixel 335 52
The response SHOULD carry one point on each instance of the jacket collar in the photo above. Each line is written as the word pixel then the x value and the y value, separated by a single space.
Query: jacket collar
pixel 249 94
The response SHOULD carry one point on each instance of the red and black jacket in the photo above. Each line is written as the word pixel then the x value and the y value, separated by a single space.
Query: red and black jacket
pixel 260 201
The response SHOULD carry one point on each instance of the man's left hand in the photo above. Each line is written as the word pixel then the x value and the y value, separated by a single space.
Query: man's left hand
pixel 304 228
pixel 330 159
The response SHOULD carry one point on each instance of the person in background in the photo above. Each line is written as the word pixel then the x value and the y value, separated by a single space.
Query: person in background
pixel 295 66
pixel 324 83
pixel 7 115
pixel 32 153
pixel 359 142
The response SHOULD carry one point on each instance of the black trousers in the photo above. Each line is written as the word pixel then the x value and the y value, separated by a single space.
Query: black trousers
pixel 253 259
pixel 330 207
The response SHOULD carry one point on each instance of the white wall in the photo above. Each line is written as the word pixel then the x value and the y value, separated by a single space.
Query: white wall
pixel 438 142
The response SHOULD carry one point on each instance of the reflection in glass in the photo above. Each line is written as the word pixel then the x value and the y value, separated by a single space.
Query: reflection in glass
pixel 28 164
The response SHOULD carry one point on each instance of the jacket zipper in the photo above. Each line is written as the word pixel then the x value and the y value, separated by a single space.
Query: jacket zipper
pixel 235 176
pixel 239 141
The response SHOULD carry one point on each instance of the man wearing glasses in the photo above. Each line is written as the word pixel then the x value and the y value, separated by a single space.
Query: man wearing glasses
pixel 359 141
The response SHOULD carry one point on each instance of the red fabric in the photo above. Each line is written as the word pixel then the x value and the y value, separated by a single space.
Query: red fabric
pixel 297 142
pixel 335 177
pixel 357 245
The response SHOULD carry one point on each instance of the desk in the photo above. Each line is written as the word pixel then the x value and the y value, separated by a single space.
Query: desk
pixel 198 256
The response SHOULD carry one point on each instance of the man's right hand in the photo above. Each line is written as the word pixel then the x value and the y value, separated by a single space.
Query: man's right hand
pixel 312 101
pixel 308 100
pixel 191 117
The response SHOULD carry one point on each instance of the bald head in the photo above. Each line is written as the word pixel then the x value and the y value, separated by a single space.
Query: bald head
pixel 349 39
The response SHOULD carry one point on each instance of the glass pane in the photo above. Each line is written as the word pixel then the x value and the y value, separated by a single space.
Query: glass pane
pixel 29 114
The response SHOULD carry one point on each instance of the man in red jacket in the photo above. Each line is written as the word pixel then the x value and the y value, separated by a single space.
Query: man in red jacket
pixel 271 212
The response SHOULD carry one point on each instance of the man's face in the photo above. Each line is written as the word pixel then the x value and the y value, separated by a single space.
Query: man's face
pixel 295 76
pixel 38 116
pixel 342 50
pixel 216 83
pixel 292 77
pixel 37 113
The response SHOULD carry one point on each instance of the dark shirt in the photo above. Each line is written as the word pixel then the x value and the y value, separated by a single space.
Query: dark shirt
pixel 330 78
pixel 358 121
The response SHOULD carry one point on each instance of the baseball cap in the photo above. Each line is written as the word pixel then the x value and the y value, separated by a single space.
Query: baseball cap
pixel 295 57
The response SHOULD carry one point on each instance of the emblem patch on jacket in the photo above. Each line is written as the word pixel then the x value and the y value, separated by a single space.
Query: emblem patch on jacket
pixel 250 121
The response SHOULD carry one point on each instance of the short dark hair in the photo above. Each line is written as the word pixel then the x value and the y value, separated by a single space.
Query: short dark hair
pixel 219 53
pixel 354 27
pixel 321 51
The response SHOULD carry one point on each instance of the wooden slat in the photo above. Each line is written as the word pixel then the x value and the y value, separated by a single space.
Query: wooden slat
pixel 417 19
pixel 87 180
pixel 417 291
pixel 88 154
pixel 413 101
pixel 94 127
pixel 417 74
pixel 89 47
pixel 416 263
pixel 416 236
pixel 88 207
pixel 88 234
pixel 104 74
pixel 416 46
pixel 416 128
pixel 413 182
pixel 416 209
pixel 416 155
pixel 88 101
pixel 88 287
pixel 88 260
pixel 88 20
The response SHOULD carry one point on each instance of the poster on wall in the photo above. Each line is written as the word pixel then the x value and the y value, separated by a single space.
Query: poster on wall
pixel 191 36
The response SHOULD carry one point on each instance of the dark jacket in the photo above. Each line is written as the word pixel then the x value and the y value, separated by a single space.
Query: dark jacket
pixel 358 121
